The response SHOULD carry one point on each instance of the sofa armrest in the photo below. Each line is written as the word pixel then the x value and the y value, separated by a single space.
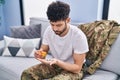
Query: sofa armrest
pixel 1 46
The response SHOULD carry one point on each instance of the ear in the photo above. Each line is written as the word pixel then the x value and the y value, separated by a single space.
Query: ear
pixel 68 20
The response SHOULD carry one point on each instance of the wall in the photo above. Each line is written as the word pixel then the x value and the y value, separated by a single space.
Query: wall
pixel 2 27
pixel 82 11
pixel 11 11
pixel 35 8
pixel 114 11
pixel 85 10
pixel 100 9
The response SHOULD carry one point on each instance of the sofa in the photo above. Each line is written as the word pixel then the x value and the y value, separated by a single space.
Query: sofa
pixel 13 62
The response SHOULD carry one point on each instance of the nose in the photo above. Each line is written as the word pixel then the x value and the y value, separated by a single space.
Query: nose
pixel 55 28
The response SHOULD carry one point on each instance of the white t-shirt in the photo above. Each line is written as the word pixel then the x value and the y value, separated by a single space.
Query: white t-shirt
pixel 63 48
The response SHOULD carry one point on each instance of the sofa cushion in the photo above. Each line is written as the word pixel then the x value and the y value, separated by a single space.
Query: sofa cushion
pixel 111 62
pixel 11 68
pixel 20 47
pixel 26 32
pixel 101 75
pixel 43 21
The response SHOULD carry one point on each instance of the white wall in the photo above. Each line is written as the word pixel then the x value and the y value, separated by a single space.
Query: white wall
pixel 81 10
pixel 100 9
pixel 35 8
pixel 114 10
pixel 2 27
pixel 11 14
pixel 85 10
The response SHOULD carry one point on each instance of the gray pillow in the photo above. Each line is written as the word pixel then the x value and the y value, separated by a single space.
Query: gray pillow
pixel 111 62
pixel 1 51
pixel 26 32
pixel 43 21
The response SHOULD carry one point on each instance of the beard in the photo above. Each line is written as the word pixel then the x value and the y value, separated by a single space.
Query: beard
pixel 60 32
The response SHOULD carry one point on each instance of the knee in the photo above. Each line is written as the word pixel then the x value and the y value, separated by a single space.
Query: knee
pixel 26 75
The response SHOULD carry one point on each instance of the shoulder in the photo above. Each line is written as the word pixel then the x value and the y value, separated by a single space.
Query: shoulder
pixel 48 30
pixel 77 32
pixel 48 33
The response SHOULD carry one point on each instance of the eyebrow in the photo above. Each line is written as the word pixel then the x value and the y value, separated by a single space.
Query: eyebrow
pixel 56 25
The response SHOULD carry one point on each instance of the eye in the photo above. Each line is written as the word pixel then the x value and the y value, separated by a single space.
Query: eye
pixel 52 25
pixel 59 25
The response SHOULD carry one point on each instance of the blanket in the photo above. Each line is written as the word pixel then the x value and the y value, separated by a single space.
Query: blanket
pixel 101 35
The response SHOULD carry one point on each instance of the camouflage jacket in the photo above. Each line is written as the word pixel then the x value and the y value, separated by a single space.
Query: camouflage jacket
pixel 100 35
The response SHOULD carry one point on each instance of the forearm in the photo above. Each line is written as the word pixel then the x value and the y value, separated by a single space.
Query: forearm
pixel 69 67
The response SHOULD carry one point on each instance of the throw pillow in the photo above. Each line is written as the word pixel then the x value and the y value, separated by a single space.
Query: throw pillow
pixel 43 21
pixel 20 47
pixel 26 32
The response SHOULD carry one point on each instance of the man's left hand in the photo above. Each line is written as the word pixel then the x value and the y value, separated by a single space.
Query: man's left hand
pixel 48 61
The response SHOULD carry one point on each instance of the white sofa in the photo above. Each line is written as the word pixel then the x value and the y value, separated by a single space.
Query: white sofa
pixel 12 67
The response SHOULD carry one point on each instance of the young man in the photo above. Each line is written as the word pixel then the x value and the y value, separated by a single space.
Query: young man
pixel 67 44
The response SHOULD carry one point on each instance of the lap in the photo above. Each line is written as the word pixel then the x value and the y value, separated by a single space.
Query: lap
pixel 43 71
pixel 65 75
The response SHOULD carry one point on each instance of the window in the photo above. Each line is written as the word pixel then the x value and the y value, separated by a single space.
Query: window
pixel 114 11
pixel 34 8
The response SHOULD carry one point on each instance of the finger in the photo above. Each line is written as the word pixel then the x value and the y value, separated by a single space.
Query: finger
pixel 36 52
pixel 40 60
pixel 51 63
pixel 36 55
pixel 43 61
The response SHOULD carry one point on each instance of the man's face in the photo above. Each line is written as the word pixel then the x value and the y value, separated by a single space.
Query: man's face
pixel 59 27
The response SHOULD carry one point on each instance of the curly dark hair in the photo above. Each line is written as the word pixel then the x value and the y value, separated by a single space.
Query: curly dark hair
pixel 58 11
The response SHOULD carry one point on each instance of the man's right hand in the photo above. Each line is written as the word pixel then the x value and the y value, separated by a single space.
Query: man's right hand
pixel 40 54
